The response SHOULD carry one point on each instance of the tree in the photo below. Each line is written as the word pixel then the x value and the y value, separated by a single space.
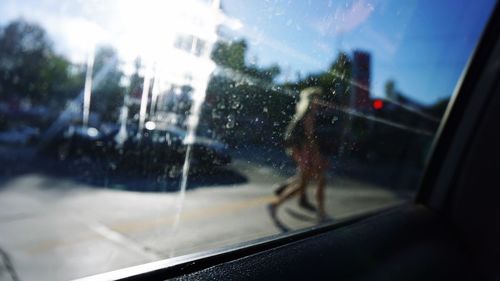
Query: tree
pixel 334 82
pixel 390 90
pixel 241 93
pixel 24 53
pixel 337 83
pixel 230 55
pixel 107 97
pixel 29 67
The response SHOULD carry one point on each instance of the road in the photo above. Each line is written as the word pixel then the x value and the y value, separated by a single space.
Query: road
pixel 57 228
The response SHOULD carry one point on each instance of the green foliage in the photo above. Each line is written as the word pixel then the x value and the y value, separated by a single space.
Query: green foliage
pixel 231 55
pixel 31 70
pixel 334 82
pixel 29 67
pixel 390 90
pixel 108 97
pixel 248 94
pixel 243 95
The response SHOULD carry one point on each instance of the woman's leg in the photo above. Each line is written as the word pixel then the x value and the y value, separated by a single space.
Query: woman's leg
pixel 291 191
pixel 295 154
pixel 305 170
pixel 303 201
pixel 320 195
pixel 290 181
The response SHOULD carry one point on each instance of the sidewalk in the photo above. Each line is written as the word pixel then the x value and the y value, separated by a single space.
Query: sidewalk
pixel 7 271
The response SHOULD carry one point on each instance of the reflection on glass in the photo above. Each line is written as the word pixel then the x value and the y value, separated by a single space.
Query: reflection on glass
pixel 133 131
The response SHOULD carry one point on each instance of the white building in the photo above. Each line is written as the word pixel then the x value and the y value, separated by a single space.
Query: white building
pixel 180 57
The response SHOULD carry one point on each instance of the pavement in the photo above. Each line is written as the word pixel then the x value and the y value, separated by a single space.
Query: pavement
pixel 57 228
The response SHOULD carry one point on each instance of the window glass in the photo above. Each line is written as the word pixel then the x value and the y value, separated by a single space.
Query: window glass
pixel 134 131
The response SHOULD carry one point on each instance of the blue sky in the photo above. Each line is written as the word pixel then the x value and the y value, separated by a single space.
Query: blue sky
pixel 422 45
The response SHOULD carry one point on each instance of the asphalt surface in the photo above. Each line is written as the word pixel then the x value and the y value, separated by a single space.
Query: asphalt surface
pixel 60 228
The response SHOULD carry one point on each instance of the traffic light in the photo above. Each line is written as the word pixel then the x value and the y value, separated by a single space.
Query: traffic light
pixel 378 104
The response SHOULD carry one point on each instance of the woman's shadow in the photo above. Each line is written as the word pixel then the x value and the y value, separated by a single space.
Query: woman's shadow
pixel 297 215
pixel 276 221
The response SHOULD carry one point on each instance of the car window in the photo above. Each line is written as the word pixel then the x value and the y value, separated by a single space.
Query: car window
pixel 135 131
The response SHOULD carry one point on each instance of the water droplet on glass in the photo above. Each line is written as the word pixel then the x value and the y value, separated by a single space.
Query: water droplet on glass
pixel 230 122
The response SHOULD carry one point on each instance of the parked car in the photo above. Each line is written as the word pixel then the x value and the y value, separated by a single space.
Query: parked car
pixel 20 135
pixel 152 149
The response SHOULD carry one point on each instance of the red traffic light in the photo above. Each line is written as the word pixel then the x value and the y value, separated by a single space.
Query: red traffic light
pixel 378 104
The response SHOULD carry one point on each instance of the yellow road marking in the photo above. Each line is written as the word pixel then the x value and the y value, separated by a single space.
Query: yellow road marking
pixel 192 215
pixel 49 244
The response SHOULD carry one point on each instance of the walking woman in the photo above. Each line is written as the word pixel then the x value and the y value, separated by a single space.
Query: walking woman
pixel 303 145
